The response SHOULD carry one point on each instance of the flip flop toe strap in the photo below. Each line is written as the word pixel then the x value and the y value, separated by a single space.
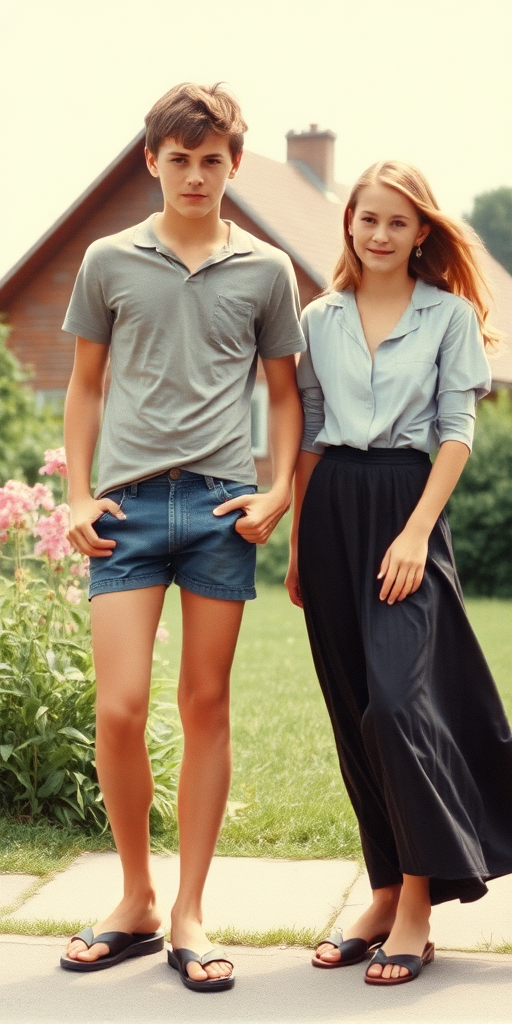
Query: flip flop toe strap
pixel 413 964
pixel 214 955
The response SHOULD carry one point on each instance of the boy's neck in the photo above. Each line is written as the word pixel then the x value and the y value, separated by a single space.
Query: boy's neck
pixel 179 233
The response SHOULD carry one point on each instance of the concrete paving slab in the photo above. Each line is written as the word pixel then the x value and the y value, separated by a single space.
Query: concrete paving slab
pixel 486 924
pixel 273 986
pixel 12 888
pixel 249 894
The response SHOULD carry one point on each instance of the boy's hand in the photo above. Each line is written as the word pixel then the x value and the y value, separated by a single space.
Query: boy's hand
pixel 84 513
pixel 262 513
pixel 403 565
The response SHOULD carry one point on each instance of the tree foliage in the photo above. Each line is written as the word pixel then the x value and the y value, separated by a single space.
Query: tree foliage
pixel 25 431
pixel 480 510
pixel 491 217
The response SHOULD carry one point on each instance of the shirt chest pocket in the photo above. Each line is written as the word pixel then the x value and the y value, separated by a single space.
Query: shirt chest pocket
pixel 414 373
pixel 231 325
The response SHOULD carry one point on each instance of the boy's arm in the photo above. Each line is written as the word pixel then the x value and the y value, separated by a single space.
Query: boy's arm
pixel 263 511
pixel 82 418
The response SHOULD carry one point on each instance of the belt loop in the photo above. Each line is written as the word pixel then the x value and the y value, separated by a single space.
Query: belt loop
pixel 133 490
pixel 210 483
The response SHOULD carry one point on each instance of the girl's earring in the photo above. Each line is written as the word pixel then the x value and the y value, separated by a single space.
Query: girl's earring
pixel 419 252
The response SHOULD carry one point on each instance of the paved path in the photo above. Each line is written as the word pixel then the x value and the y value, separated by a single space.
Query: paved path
pixel 273 985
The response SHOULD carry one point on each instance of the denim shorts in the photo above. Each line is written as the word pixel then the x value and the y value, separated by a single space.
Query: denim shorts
pixel 171 535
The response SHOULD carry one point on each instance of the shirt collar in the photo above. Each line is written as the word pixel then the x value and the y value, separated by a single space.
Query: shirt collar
pixel 239 241
pixel 423 295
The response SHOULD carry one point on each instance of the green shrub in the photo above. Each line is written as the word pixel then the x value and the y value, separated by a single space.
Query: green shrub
pixel 24 429
pixel 480 509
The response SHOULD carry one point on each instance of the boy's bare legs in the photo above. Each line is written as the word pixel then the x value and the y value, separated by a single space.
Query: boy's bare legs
pixel 210 632
pixel 123 628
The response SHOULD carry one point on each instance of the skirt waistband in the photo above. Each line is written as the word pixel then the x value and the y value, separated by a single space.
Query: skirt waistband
pixel 386 455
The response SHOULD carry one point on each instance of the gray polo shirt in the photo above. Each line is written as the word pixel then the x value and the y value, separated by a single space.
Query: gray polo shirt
pixel 183 349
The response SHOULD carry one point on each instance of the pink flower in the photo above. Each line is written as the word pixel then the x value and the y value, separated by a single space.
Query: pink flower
pixel 162 634
pixel 73 595
pixel 55 462
pixel 43 497
pixel 52 530
pixel 17 506
pixel 80 566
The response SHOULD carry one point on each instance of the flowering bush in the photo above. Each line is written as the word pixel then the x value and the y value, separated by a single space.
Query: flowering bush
pixel 47 685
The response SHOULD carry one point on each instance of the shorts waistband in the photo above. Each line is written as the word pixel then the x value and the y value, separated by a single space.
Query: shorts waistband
pixel 383 455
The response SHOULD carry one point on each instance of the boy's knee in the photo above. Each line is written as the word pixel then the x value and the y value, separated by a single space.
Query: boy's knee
pixel 121 718
pixel 206 703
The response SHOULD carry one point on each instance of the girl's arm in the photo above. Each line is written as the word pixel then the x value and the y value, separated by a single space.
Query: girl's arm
pixel 403 564
pixel 305 466
pixel 82 418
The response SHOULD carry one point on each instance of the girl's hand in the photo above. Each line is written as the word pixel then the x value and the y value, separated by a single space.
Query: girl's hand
pixel 403 565
pixel 292 583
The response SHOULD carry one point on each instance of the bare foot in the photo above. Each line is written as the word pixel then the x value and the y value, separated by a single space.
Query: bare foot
pixel 131 915
pixel 378 919
pixel 188 934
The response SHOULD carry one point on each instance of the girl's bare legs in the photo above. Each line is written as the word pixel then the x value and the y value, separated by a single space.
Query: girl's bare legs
pixel 123 629
pixel 411 928
pixel 210 632
pixel 377 920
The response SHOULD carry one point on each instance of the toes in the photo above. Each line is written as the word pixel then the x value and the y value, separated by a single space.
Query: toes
pixel 217 970
pixel 210 972
pixel 94 953
pixel 196 972
pixel 74 948
pixel 328 953
pixel 374 971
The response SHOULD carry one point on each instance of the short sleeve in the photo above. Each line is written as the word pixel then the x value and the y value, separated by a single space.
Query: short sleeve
pixel 279 333
pixel 464 376
pixel 88 315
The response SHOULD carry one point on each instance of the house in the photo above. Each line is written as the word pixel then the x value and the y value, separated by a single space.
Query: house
pixel 295 205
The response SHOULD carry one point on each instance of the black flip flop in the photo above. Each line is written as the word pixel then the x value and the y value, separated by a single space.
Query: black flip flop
pixel 122 946
pixel 414 964
pixel 179 958
pixel 352 951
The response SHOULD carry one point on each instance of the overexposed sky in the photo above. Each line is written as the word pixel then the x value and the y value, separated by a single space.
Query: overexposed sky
pixel 426 82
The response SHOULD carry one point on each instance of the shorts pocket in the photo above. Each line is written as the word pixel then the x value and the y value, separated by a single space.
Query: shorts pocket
pixel 227 489
pixel 118 496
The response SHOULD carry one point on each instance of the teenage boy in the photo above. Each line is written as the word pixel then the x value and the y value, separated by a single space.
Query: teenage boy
pixel 180 305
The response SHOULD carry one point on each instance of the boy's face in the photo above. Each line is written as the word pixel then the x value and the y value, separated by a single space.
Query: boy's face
pixel 193 180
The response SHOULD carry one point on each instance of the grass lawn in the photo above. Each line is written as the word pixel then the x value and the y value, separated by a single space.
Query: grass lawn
pixel 287 799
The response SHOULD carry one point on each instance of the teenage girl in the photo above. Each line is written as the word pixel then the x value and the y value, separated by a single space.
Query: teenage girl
pixel 394 367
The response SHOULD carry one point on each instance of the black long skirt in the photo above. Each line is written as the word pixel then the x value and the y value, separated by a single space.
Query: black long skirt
pixel 424 746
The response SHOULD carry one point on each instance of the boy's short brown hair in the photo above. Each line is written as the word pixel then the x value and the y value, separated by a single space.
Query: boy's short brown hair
pixel 188 112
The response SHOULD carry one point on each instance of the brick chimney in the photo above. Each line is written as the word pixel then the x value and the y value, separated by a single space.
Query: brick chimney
pixel 313 150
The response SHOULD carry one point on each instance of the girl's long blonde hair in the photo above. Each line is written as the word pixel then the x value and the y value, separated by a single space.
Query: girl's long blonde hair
pixel 450 253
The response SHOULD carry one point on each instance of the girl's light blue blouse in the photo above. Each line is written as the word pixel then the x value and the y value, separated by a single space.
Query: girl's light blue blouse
pixel 421 388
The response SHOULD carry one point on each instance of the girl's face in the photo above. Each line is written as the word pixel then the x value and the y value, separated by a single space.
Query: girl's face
pixel 385 228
